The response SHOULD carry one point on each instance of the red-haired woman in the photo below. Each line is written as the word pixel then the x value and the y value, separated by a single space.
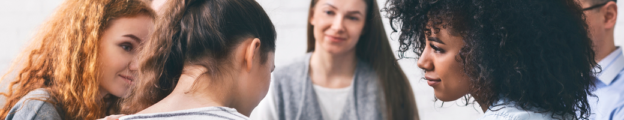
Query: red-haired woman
pixel 78 65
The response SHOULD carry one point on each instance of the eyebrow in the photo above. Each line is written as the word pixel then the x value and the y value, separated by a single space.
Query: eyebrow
pixel 330 5
pixel 135 38
pixel 435 39
pixel 350 12
pixel 354 12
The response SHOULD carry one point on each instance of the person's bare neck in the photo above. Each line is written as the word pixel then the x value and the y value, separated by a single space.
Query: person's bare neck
pixel 483 105
pixel 604 47
pixel 184 92
pixel 332 71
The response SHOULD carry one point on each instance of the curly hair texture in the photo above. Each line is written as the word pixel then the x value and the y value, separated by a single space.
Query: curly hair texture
pixel 62 58
pixel 536 53
pixel 199 32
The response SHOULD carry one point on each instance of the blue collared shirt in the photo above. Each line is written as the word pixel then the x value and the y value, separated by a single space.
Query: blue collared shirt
pixel 609 89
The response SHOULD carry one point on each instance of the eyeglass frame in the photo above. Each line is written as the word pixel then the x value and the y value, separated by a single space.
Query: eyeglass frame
pixel 597 6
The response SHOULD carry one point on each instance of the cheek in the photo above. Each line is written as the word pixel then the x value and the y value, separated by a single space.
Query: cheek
pixel 111 63
pixel 454 81
pixel 113 60
pixel 355 32
pixel 319 30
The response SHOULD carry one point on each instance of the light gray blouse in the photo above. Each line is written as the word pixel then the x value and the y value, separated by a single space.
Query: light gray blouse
pixel 33 107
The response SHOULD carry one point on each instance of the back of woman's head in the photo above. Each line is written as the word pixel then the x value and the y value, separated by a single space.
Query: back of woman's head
pixel 63 57
pixel 198 32
pixel 536 53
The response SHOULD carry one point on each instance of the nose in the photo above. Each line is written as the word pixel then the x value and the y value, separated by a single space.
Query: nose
pixel 337 25
pixel 424 61
pixel 133 65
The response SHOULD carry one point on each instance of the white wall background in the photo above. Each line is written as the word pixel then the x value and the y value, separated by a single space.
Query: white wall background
pixel 20 18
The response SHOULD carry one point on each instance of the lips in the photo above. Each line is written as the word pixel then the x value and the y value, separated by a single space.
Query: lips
pixel 335 38
pixel 433 81
pixel 127 78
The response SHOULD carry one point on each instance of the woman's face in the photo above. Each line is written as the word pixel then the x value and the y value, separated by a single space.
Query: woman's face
pixel 338 24
pixel 443 70
pixel 118 50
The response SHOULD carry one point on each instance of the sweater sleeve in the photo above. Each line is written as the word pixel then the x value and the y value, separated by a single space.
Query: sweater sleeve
pixel 32 107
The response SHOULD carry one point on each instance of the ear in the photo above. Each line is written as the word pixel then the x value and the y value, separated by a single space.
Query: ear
pixel 610 15
pixel 250 52
pixel 311 17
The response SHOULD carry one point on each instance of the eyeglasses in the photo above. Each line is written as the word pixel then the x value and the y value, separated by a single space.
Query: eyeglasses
pixel 596 6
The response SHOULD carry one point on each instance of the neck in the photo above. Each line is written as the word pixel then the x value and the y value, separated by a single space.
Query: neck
pixel 484 107
pixel 482 104
pixel 192 96
pixel 102 93
pixel 605 47
pixel 332 70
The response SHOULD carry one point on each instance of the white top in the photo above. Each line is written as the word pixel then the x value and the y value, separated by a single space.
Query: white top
pixel 205 113
pixel 511 112
pixel 331 101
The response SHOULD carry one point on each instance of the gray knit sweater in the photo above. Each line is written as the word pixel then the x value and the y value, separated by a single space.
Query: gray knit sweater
pixel 295 97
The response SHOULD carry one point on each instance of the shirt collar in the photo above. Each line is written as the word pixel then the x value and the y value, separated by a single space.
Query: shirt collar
pixel 611 66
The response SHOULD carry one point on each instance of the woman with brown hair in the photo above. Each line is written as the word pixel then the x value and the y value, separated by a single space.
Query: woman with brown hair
pixel 207 59
pixel 78 65
pixel 349 73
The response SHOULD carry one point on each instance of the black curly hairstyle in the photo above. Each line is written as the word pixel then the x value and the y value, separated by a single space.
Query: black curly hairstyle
pixel 536 53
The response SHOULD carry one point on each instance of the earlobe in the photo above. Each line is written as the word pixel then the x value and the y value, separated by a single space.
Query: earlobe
pixel 312 21
pixel 252 49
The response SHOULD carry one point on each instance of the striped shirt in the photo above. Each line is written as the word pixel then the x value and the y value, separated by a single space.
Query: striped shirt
pixel 206 113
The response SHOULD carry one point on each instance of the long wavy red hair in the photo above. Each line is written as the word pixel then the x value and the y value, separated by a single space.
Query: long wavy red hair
pixel 62 58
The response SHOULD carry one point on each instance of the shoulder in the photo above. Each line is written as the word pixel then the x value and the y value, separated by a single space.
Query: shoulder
pixel 296 67
pixel 511 112
pixel 211 113
pixel 34 105
pixel 292 73
pixel 617 113
pixel 364 70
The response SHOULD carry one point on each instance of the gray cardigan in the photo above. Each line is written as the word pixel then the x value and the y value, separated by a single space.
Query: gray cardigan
pixel 31 107
pixel 295 97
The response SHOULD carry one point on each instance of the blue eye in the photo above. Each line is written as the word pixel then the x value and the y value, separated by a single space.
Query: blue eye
pixel 126 47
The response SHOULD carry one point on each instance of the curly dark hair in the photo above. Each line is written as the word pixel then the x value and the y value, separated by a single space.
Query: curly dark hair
pixel 536 53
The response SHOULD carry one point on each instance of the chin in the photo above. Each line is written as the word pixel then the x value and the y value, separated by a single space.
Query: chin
pixel 121 94
pixel 336 50
pixel 446 98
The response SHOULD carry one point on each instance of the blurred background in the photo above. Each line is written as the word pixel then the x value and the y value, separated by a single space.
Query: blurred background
pixel 19 19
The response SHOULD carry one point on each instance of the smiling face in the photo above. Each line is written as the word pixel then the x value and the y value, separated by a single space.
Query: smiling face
pixel 443 70
pixel 338 24
pixel 118 49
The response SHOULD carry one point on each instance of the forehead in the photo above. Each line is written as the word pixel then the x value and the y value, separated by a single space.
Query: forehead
pixel 350 5
pixel 583 3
